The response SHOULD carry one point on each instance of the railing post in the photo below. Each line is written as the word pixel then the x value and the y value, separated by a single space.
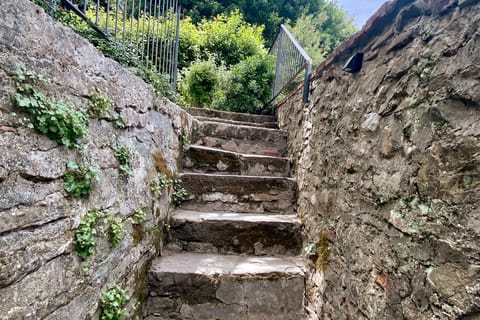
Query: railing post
pixel 291 60
pixel 177 40
pixel 306 84
pixel 277 67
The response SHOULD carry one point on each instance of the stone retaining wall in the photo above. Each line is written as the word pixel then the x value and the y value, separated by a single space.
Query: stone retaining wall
pixel 388 166
pixel 41 275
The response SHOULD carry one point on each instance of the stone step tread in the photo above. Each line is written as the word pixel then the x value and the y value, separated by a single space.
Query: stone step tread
pixel 245 117
pixel 234 265
pixel 243 139
pixel 237 154
pixel 196 216
pixel 245 128
pixel 202 159
pixel 270 124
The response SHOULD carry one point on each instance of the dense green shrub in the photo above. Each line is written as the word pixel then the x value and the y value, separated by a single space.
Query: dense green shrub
pixel 249 85
pixel 227 38
pixel 228 67
pixel 201 82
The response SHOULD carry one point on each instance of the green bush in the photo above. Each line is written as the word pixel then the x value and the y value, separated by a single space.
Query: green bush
pixel 249 85
pixel 230 39
pixel 227 38
pixel 200 84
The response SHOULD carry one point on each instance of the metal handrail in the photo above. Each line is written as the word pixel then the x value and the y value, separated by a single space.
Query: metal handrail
pixel 291 60
pixel 149 29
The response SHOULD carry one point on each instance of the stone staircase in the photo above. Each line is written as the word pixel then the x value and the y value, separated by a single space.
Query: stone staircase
pixel 235 242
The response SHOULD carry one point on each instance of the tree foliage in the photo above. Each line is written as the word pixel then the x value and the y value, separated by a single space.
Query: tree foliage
pixel 224 64
pixel 321 33
pixel 270 13
pixel 227 38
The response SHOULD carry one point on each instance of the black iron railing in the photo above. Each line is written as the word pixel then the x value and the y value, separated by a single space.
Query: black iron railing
pixel 148 29
pixel 291 60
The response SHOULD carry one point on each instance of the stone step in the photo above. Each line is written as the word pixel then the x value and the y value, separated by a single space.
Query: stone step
pixel 202 159
pixel 192 286
pixel 214 192
pixel 230 233
pixel 272 125
pixel 233 116
pixel 242 139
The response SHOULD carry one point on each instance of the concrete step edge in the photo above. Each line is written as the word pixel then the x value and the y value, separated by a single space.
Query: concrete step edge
pixel 244 155
pixel 230 265
pixel 272 130
pixel 234 177
pixel 197 216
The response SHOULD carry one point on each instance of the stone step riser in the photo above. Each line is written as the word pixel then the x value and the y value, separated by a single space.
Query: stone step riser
pixel 241 139
pixel 233 237
pixel 246 299
pixel 206 160
pixel 238 193
pixel 224 288
pixel 229 116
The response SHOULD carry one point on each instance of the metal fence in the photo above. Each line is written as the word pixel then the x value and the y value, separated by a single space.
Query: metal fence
pixel 147 29
pixel 291 60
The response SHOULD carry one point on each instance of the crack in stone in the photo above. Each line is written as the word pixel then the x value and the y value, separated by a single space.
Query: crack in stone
pixel 32 227
pixel 40 265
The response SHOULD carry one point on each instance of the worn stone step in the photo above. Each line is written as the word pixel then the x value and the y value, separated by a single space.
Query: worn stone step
pixel 232 116
pixel 272 125
pixel 214 192
pixel 192 286
pixel 230 233
pixel 242 139
pixel 210 160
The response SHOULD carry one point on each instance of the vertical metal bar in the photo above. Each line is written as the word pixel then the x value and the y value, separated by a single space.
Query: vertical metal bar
pixel 171 38
pixel 158 34
pixel 117 3
pixel 85 3
pixel 143 29
pixel 107 16
pixel 164 38
pixel 175 59
pixel 169 54
pixel 277 69
pixel 152 46
pixel 131 21
pixel 147 50
pixel 97 8
pixel 139 21
pixel 124 16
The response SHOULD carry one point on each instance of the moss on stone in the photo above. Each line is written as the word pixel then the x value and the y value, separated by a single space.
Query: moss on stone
pixel 161 164
pixel 323 251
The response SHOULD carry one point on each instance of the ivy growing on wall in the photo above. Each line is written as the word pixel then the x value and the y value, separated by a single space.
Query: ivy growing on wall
pixel 58 120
